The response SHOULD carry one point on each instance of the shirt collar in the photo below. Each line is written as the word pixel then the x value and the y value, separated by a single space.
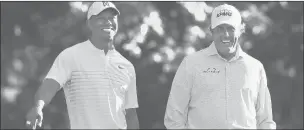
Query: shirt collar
pixel 211 50
pixel 91 46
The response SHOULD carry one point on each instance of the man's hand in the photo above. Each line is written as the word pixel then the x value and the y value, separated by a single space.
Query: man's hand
pixel 43 97
pixel 34 117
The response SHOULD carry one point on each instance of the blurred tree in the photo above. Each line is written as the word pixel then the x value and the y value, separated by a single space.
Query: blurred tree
pixel 154 36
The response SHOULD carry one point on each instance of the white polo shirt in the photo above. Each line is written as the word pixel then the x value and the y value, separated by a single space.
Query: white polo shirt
pixel 98 87
pixel 209 92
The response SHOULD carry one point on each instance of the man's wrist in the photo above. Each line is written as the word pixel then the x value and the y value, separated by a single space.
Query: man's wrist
pixel 40 104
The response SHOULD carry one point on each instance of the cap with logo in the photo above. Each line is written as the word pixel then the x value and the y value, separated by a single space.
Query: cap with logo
pixel 226 14
pixel 99 6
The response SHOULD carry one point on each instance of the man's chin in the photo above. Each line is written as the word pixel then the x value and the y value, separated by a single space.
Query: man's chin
pixel 109 38
pixel 108 35
pixel 231 49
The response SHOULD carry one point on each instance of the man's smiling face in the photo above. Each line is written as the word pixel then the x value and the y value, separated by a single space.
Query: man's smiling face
pixel 104 24
pixel 225 38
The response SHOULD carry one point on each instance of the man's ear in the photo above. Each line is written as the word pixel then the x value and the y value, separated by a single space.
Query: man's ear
pixel 240 29
pixel 88 29
pixel 243 26
pixel 210 29
pixel 88 23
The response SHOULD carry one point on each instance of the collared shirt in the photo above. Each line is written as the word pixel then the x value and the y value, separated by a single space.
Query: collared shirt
pixel 211 92
pixel 98 87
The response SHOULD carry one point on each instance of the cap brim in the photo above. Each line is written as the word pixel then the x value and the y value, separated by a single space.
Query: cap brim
pixel 108 8
pixel 113 9
pixel 225 22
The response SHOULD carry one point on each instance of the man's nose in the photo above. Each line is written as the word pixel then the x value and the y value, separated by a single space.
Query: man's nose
pixel 226 33
pixel 108 22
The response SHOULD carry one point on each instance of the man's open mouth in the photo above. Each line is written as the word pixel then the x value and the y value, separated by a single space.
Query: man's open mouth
pixel 108 29
pixel 226 41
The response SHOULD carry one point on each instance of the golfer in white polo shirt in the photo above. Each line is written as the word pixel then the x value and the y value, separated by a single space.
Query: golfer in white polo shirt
pixel 98 82
pixel 220 87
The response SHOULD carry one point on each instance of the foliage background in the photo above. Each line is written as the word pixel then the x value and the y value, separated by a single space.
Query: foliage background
pixel 154 36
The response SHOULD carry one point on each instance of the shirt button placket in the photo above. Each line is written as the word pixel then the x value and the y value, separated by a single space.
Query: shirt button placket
pixel 107 71
pixel 227 88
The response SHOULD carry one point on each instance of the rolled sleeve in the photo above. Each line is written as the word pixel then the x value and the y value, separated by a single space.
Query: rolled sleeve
pixel 131 94
pixel 264 106
pixel 61 69
pixel 177 106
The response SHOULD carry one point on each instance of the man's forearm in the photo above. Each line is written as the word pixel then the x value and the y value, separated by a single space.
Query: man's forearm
pixel 174 119
pixel 41 99
pixel 267 125
pixel 132 119
pixel 45 93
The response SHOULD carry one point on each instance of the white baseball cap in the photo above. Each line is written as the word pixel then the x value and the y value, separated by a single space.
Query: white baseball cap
pixel 100 6
pixel 225 14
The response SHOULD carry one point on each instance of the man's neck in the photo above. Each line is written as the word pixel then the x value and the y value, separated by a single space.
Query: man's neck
pixel 102 44
pixel 228 56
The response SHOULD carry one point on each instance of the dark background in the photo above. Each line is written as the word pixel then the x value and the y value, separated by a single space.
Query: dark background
pixel 154 36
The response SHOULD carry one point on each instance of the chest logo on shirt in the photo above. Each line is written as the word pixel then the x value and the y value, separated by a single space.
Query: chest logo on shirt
pixel 120 67
pixel 211 70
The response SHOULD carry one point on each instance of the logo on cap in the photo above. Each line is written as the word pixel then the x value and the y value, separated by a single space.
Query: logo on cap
pixel 105 3
pixel 224 12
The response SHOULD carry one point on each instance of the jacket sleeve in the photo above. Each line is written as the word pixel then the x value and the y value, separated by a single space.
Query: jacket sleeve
pixel 177 106
pixel 264 107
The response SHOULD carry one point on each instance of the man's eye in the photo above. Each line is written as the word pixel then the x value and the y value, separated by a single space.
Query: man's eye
pixel 100 18
pixel 231 29
pixel 220 29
